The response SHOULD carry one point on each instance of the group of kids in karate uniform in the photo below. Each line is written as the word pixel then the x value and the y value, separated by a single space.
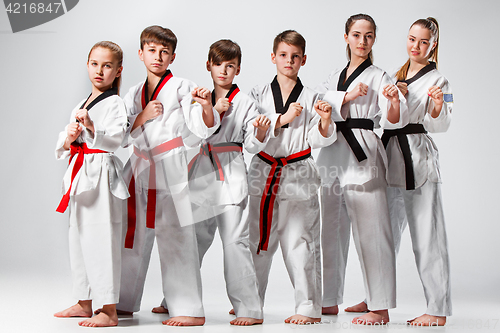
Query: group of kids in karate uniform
pixel 376 185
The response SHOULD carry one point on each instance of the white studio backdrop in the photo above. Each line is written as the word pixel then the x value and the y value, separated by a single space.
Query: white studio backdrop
pixel 43 75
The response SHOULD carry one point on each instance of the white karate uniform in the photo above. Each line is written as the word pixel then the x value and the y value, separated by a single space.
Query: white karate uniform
pixel 174 232
pixel 354 192
pixel 96 200
pixel 421 207
pixel 295 224
pixel 221 203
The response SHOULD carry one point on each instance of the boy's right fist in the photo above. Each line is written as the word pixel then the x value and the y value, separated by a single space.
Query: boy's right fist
pixel 203 96
pixel 294 110
pixel 152 110
pixel 222 105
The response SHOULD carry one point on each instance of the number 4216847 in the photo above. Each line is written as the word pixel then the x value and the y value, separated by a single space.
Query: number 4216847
pixel 33 8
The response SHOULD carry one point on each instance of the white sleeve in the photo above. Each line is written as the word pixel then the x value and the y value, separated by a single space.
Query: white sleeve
pixel 252 145
pixel 62 153
pixel 384 105
pixel 314 136
pixel 332 97
pixel 193 112
pixel 442 122
pixel 109 133
pixel 273 116
pixel 132 113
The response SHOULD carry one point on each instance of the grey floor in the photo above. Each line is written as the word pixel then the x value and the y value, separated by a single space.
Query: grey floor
pixel 28 302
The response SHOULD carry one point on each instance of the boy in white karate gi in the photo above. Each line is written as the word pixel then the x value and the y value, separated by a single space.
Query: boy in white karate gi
pixel 283 179
pixel 218 180
pixel 164 113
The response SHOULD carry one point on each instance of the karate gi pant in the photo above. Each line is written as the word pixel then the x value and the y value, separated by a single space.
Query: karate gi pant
pixel 94 243
pixel 422 210
pixel 178 251
pixel 239 270
pixel 365 208
pixel 296 228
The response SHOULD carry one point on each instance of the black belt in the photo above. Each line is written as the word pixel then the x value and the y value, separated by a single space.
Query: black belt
pixel 401 133
pixel 346 128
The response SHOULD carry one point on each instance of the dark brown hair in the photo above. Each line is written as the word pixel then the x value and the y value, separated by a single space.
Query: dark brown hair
pixel 430 24
pixel 290 37
pixel 158 35
pixel 224 50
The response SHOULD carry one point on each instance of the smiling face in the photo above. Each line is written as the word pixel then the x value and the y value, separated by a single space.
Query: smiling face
pixel 223 73
pixel 156 57
pixel 288 59
pixel 103 68
pixel 419 44
pixel 360 39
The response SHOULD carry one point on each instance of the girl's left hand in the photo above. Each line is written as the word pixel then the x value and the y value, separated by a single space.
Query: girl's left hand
pixel 390 92
pixel 83 117
pixel 436 94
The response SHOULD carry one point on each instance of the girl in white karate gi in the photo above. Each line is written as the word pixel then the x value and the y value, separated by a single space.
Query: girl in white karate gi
pixel 94 188
pixel 353 171
pixel 414 191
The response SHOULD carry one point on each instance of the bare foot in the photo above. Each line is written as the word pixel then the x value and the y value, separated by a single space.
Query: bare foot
pixel 118 312
pixel 80 309
pixel 101 320
pixel 232 312
pixel 428 320
pixel 360 307
pixel 372 318
pixel 159 309
pixel 246 321
pixel 185 321
pixel 330 310
pixel 301 320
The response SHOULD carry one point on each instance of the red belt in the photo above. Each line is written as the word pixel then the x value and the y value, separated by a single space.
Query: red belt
pixel 80 150
pixel 211 151
pixel 271 189
pixel 151 205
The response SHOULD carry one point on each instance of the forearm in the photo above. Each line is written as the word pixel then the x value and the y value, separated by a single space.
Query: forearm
pixel 436 111
pixel 208 116
pixel 261 135
pixel 282 121
pixel 139 121
pixel 67 144
pixel 393 113
pixel 324 124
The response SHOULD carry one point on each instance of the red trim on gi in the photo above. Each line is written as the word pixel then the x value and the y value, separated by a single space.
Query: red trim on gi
pixel 157 90
pixel 80 150
pixel 271 189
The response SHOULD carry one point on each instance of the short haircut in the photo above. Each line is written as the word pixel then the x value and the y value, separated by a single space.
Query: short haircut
pixel 224 50
pixel 290 37
pixel 158 35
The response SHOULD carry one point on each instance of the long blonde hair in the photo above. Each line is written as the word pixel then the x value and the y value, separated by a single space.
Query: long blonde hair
pixel 430 24
pixel 117 54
